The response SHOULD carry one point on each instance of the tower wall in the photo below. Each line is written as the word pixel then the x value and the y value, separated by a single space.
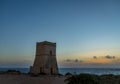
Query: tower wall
pixel 45 59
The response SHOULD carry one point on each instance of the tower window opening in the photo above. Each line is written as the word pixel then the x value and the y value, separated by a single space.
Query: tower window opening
pixel 50 52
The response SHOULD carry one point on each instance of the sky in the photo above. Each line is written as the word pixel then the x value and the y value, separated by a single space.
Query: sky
pixel 87 32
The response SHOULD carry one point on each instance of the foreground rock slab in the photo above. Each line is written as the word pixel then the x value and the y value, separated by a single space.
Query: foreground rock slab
pixel 26 79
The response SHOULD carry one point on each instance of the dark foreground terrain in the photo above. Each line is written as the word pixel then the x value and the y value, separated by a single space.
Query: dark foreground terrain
pixel 16 77
pixel 92 79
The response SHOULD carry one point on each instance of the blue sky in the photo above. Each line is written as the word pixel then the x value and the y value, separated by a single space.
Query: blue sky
pixel 81 28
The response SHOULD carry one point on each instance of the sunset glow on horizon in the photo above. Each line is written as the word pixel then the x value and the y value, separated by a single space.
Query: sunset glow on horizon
pixel 87 32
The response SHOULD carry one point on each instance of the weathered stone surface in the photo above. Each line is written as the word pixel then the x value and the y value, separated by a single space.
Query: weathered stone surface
pixel 45 59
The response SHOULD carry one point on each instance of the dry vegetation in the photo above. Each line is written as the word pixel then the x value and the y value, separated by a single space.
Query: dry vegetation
pixel 93 79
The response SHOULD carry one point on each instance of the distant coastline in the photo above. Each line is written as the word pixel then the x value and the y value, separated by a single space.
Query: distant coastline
pixel 14 76
pixel 97 71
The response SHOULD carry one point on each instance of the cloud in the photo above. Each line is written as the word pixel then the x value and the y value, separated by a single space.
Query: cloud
pixel 81 61
pixel 94 57
pixel 109 57
pixel 68 60
pixel 76 60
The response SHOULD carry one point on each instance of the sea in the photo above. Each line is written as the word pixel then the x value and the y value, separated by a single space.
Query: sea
pixel 97 71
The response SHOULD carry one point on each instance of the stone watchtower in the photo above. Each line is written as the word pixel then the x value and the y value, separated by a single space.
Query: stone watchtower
pixel 45 59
